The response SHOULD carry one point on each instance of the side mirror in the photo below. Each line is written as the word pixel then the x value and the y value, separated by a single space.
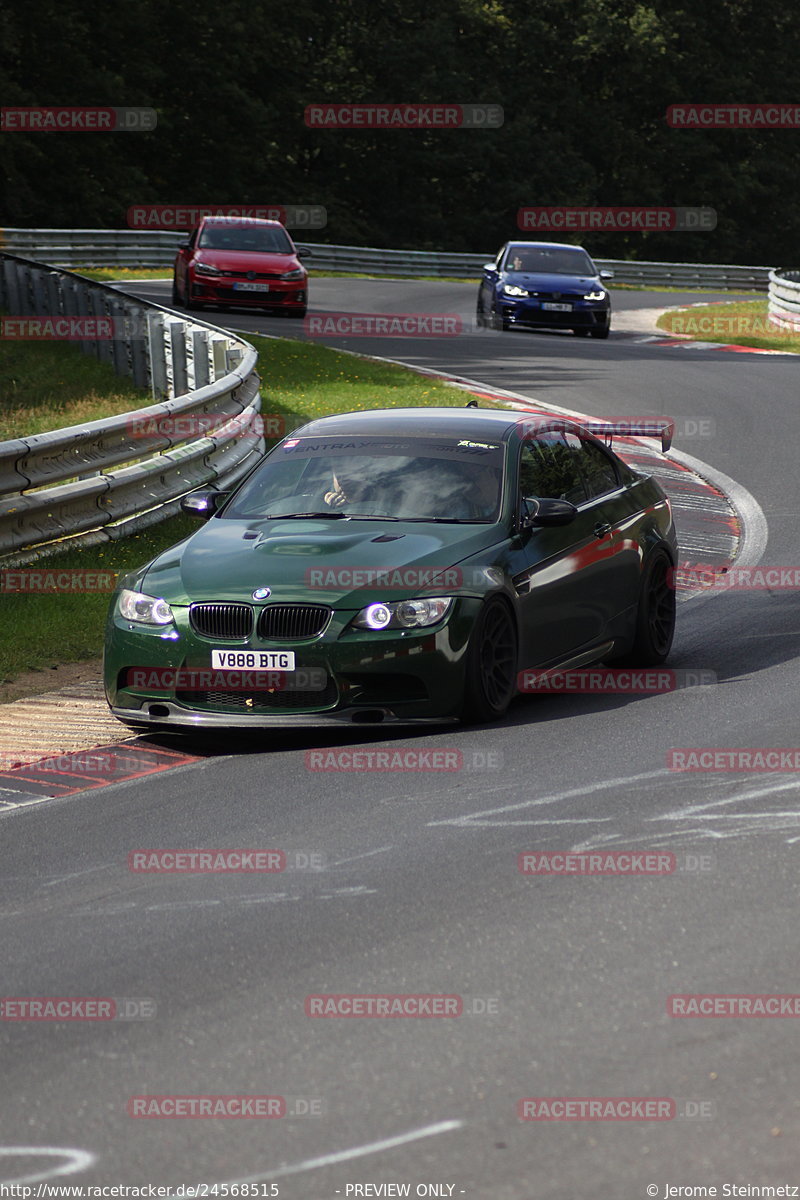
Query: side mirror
pixel 184 245
pixel 528 509
pixel 202 504
pixel 488 266
pixel 606 274
pixel 555 512
pixel 303 253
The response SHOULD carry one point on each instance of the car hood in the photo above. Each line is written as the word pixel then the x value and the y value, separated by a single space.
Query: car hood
pixel 534 281
pixel 247 260
pixel 327 561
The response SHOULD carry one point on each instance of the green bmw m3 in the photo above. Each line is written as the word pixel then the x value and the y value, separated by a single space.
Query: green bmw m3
pixel 397 566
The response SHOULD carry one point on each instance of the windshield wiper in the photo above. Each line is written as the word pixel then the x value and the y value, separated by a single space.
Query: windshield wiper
pixel 333 516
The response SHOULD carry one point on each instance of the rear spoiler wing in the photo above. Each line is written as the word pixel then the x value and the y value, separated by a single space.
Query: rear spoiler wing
pixel 661 428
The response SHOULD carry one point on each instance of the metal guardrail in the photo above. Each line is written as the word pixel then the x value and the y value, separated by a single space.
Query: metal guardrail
pixel 99 480
pixel 784 299
pixel 156 248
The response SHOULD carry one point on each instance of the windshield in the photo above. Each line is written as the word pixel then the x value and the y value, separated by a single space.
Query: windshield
pixel 260 240
pixel 553 262
pixel 405 479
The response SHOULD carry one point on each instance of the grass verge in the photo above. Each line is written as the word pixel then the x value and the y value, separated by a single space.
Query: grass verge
pixel 742 323
pixel 48 385
pixel 301 381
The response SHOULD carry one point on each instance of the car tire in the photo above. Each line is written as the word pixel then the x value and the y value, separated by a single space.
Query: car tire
pixel 187 301
pixel 176 300
pixel 655 616
pixel 491 671
pixel 581 331
pixel 602 332
pixel 297 313
pixel 497 322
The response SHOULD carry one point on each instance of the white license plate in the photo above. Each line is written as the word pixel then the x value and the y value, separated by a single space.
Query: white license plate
pixel 251 287
pixel 252 660
pixel 556 307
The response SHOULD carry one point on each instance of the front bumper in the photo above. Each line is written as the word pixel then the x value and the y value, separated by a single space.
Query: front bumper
pixel 587 315
pixel 370 677
pixel 212 289
pixel 177 715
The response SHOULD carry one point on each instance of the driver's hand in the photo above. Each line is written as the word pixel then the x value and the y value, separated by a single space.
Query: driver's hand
pixel 335 499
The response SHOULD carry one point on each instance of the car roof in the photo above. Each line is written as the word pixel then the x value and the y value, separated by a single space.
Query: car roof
pixel 545 246
pixel 422 422
pixel 236 221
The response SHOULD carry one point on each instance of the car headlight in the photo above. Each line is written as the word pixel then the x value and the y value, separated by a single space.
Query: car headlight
pixel 405 614
pixel 147 610
pixel 595 295
pixel 511 289
pixel 298 274
pixel 206 269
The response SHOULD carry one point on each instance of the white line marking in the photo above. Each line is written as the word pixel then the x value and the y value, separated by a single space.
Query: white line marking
pixel 473 819
pixel 77 874
pixel 340 1156
pixel 77 1160
pixel 680 814
pixel 356 857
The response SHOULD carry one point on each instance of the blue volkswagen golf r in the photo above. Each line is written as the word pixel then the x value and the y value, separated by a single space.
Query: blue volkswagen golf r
pixel 545 285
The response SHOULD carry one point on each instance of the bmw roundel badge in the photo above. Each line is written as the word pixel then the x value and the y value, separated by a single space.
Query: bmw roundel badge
pixel 262 593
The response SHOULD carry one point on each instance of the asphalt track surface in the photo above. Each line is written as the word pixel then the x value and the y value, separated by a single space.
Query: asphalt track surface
pixel 419 892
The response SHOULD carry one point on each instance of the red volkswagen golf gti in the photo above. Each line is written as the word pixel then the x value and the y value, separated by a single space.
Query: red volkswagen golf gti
pixel 241 261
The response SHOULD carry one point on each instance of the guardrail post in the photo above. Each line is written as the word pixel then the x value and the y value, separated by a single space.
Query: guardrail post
pixel 176 358
pixel 139 347
pixel 219 346
pixel 38 293
pixel 54 292
pixel 82 309
pixel 199 366
pixel 159 380
pixel 104 346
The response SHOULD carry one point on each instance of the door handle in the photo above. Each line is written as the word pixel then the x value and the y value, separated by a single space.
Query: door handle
pixel 601 529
